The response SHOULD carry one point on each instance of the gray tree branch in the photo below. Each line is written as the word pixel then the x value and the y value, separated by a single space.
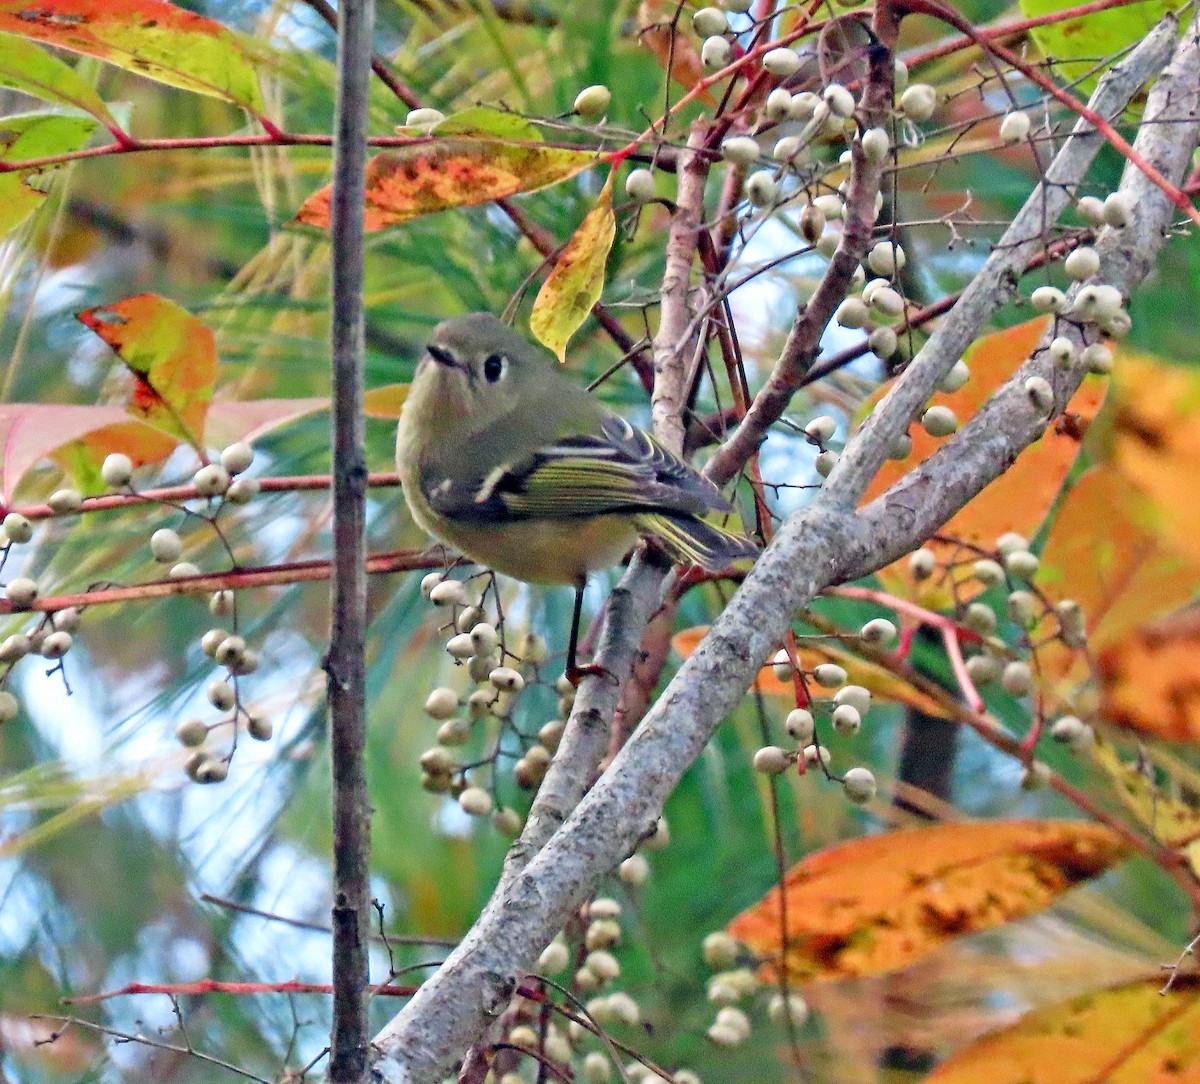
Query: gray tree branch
pixel 819 546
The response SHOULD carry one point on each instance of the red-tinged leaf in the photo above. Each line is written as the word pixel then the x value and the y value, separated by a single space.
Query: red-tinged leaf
pixel 881 903
pixel 575 284
pixel 29 432
pixel 34 135
pixel 172 356
pixel 29 68
pixel 1021 497
pixel 230 420
pixel 385 402
pixel 1130 1034
pixel 673 46
pixel 150 37
pixel 471 158
pixel 82 458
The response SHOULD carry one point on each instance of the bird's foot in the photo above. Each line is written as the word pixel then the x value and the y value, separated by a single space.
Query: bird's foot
pixel 576 673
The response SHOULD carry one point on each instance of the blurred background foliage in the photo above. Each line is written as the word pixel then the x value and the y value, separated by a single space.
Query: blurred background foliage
pixel 116 895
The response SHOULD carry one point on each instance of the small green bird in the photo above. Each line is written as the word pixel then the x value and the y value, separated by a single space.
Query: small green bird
pixel 504 457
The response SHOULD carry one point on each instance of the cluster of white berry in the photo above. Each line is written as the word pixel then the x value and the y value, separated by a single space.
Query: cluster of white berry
pixel 731 985
pixel 847 707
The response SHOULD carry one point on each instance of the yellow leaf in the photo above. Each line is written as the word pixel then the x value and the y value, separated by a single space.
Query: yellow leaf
pixel 385 402
pixel 881 903
pixel 575 284
pixel 1130 1034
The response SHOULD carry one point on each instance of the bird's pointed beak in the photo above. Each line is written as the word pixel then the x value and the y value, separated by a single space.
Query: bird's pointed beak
pixel 443 356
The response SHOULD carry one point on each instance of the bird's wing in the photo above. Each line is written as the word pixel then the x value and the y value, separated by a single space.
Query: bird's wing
pixel 620 470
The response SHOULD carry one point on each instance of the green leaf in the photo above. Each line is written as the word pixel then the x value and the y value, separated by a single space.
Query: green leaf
pixel 34 135
pixel 150 37
pixel 25 67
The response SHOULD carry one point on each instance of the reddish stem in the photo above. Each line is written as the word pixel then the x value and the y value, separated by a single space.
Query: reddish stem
pixel 211 986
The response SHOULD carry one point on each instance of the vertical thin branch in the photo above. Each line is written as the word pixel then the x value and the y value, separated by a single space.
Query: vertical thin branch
pixel 345 663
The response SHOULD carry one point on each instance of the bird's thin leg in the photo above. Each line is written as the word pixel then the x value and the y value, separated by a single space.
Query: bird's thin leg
pixel 575 672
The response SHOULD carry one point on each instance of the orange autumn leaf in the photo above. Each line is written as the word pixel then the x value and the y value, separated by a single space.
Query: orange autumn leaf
pixel 881 682
pixel 150 37
pixel 473 157
pixel 172 356
pixel 878 904
pixel 577 280
pixel 1129 1034
pixel 1022 496
pixel 1150 679
pixel 1107 552
pixel 82 458
pixel 1154 440
pixel 675 51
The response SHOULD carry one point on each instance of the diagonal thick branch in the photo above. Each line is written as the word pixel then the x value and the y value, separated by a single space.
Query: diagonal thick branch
pixel 823 544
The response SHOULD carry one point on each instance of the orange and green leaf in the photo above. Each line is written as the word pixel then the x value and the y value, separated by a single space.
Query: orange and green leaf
pixel 881 903
pixel 471 158
pixel 575 284
pixel 1022 496
pixel 150 37
pixel 172 356
pixel 29 432
pixel 1130 1034
pixel 34 135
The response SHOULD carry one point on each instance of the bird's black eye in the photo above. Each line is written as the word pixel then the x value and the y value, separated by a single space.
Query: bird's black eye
pixel 493 367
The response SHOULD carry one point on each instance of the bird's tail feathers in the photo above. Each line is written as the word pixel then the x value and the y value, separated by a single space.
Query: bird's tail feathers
pixel 691 541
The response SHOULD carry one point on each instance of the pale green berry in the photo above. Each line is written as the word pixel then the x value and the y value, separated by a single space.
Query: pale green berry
pixel 212 771
pixel 716 52
pixel 212 640
pixel 460 646
pixel 983 669
pixel 191 733
pixel 855 696
pixel 596 1068
pixel 1023 608
pixel 639 185
pixel 438 761
pixel 839 100
pixel 605 907
pixel 1049 299
pixel 831 206
pixel 901 447
pixel 1017 678
pixel 899 76
pixel 601 934
pixel 221 695
pixel 820 429
pixel 480 666
pixel 782 667
pixel 1010 542
pixel 448 593
pixel 21 593
pixel 956 378
pixel 778 105
pixel 592 102
pixel 811 223
pixel 781 1009
pixel 1118 210
pixel 476 801
pixel 9 707
pixel 1036 776
pixel 259 727
pixel 211 480
pixel 883 342
pixel 221 603
pixel 988 572
pixel 846 719
pixel 550 735
pixel 921 564
pixel 635 870
pixel 876 144
pixel 1022 563
pixel 824 463
pixel 1069 730
pixel 888 302
pixel 1083 263
pixel 800 725
pixel 781 62
pixel 15 647
pixel 791 150
pixel 804 105
pixel 1062 353
pixel 734 1019
pixel 827 243
pixel 918 101
pixel 724 1036
pixel 242 490
pixel 762 190
pixel 886 258
pixel 1040 393
pixel 740 150
pixel 17 527
pixel 1091 210
pixel 771 760
pixel 829 675
pixel 658 840
pixel 166 546
pixel 1097 358
pixel 183 570
pixel 879 630
pixel 624 1009
pixel 1015 127
pixel 56 645
pixel 860 785
pixel 508 822
pixel 425 117
pixel 64 501
pixel 980 618
pixel 441 703
pixel 116 470
pixel 604 965
pixel 939 421
pixel 852 313
pixel 720 950
pixel 507 679
pixel 237 457
pixel 454 732
pixel 710 22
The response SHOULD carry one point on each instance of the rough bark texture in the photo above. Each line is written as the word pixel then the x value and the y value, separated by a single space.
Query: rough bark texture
pixel 826 543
